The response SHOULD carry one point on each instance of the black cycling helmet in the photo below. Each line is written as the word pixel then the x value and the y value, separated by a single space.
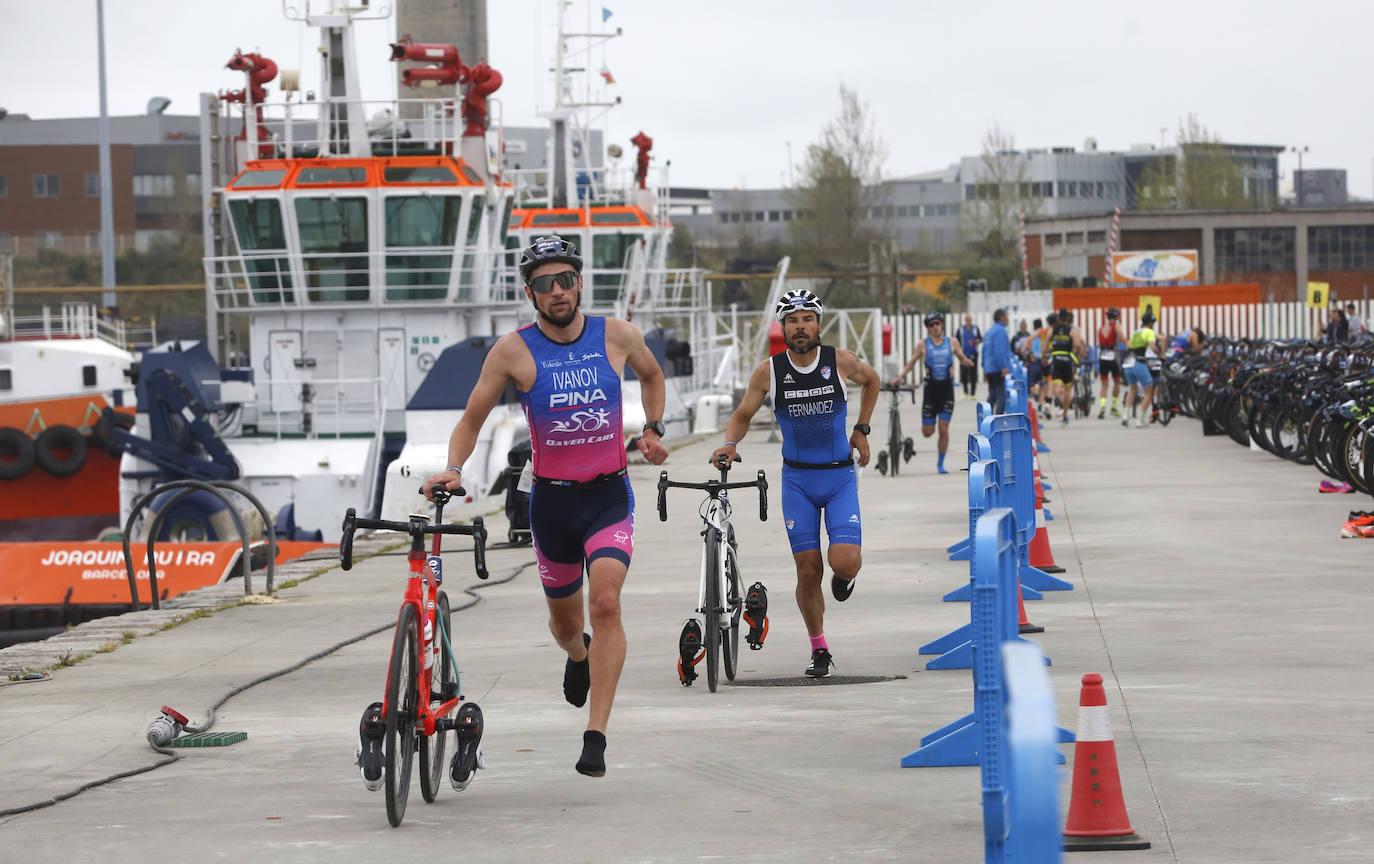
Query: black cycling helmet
pixel 1064 315
pixel 545 250
pixel 1113 312
pixel 1147 318
pixel 934 317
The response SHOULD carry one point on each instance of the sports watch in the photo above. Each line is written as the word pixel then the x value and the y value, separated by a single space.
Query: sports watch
pixel 657 427
pixel 864 428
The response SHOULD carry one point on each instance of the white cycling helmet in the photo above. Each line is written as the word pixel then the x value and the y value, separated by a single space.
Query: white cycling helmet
pixel 796 301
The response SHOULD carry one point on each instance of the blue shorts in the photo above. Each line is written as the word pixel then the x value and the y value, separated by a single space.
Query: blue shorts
pixel 1034 372
pixel 807 491
pixel 575 524
pixel 1138 373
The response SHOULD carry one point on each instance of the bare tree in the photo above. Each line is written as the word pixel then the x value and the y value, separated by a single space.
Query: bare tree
pixel 840 199
pixel 1001 192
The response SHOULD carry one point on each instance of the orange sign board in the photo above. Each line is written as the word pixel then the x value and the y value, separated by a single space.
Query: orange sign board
pixel 1162 267
pixel 1168 295
pixel 94 573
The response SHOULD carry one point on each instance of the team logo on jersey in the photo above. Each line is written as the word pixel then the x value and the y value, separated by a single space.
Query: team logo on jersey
pixel 825 372
pixel 854 517
pixel 583 421
pixel 791 523
pixel 620 537
pixel 787 378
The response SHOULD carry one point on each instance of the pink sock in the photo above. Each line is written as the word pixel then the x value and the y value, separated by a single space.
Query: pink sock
pixel 818 643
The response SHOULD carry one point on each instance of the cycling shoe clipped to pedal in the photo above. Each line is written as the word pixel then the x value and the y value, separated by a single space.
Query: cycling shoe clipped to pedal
pixel 756 615
pixel 468 756
pixel 371 754
pixel 881 464
pixel 908 449
pixel 689 652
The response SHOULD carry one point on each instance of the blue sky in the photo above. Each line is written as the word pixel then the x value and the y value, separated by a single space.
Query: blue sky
pixel 722 87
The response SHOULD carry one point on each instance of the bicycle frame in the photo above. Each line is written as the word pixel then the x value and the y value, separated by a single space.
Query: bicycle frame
pixel 716 514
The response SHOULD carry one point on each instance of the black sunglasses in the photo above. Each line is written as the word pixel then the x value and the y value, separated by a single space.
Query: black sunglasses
pixel 567 280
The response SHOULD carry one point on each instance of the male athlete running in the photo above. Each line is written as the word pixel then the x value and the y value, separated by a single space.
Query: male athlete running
pixel 1066 348
pixel 806 382
pixel 1109 338
pixel 566 367
pixel 937 398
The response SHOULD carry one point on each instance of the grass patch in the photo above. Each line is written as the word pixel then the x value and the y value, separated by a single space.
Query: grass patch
pixel 127 636
pixel 107 647
pixel 70 659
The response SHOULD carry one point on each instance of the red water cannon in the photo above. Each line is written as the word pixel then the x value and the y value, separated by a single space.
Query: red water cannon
pixel 449 67
pixel 644 144
pixel 260 71
pixel 482 81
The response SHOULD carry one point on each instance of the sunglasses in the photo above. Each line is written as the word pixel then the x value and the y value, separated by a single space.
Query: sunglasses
pixel 567 280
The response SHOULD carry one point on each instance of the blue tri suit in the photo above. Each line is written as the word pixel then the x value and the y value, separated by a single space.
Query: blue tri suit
pixel 818 469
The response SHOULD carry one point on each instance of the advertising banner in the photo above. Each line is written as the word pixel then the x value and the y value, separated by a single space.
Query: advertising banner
pixel 1164 267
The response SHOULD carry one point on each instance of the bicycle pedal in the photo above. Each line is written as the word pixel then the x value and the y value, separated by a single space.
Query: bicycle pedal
pixel 882 463
pixel 449 691
pixel 908 449
pixel 690 652
pixel 756 614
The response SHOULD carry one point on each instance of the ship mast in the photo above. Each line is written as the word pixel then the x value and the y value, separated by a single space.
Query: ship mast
pixel 570 137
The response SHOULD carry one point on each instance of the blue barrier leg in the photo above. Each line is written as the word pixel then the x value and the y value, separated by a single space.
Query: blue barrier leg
pixel 1049 517
pixel 1040 447
pixel 960 554
pixel 956 548
pixel 960 747
pixel 946 729
pixel 1043 485
pixel 952 639
pixel 958 657
pixel 1039 580
pixel 959 595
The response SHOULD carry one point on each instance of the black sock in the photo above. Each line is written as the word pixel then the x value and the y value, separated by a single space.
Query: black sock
pixel 577 678
pixel 593 761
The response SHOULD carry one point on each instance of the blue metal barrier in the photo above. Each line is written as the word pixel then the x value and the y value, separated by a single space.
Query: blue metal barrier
pixel 984 493
pixel 1032 779
pixel 1010 437
pixel 978 448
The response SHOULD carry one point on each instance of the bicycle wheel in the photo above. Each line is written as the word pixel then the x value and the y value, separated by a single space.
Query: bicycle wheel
pixel 442 678
pixel 712 611
pixel 734 608
pixel 402 696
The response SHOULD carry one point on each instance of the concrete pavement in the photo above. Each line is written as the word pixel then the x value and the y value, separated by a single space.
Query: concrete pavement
pixel 1211 592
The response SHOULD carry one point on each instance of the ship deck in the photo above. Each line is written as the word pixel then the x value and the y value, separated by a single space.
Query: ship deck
pixel 1211 591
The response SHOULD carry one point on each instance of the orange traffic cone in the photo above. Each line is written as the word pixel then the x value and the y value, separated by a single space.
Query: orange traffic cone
pixel 1024 625
pixel 1097 814
pixel 1041 557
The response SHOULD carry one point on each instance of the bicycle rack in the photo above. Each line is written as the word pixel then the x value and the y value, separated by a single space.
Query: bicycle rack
pixel 186 487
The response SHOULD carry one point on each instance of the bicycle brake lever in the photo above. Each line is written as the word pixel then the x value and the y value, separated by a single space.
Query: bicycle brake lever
pixel 346 542
pixel 479 547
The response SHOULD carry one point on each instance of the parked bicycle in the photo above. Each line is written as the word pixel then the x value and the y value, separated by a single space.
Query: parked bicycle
pixel 422 687
pixel 899 449
pixel 721 599
pixel 1083 389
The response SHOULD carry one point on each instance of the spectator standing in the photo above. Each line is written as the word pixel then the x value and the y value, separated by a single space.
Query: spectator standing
pixel 997 361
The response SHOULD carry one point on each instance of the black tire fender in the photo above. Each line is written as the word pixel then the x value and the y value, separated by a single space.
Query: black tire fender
pixel 17 444
pixel 60 438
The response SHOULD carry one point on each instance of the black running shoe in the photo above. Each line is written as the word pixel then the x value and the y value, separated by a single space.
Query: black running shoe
pixel 820 664
pixel 577 678
pixel 841 588
pixel 371 734
pixel 468 757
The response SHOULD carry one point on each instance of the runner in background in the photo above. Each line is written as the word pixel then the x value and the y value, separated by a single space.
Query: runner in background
pixel 969 338
pixel 1109 342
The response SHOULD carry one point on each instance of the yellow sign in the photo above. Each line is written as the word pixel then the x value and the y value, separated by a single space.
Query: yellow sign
pixel 1152 304
pixel 1318 294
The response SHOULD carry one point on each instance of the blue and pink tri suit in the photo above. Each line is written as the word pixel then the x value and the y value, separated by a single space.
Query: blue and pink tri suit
pixel 582 507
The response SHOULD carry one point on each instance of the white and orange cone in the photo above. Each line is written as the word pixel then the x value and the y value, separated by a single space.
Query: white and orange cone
pixel 1041 557
pixel 1097 813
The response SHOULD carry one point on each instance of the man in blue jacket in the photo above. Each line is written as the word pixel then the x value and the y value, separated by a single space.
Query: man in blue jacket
pixel 997 360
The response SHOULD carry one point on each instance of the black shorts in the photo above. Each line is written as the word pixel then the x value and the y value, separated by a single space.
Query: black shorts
pixel 1061 369
pixel 937 400
pixel 1109 367
pixel 571 525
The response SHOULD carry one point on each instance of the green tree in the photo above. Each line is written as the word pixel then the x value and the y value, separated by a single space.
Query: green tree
pixel 841 202
pixel 1002 191
pixel 1201 176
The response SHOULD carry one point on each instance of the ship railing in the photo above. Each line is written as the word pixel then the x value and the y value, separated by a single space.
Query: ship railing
pixel 425 275
pixel 602 186
pixel 310 129
pixel 78 321
pixel 314 407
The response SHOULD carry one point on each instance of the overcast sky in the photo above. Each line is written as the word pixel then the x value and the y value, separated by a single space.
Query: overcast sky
pixel 722 87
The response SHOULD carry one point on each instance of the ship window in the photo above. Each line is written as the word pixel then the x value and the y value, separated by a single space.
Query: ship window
pixel 258 226
pixel 472 175
pixel 556 219
pixel 260 178
pixel 420 221
pixel 326 176
pixel 508 222
pixel 334 246
pixel 610 252
pixel 418 174
pixel 6 379
pixel 623 217
pixel 88 375
pixel 470 259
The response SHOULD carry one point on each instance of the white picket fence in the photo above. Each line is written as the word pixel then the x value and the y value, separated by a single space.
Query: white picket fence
pixel 1235 321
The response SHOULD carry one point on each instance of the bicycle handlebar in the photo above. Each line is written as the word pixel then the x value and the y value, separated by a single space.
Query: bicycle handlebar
pixel 898 388
pixel 417 527
pixel 715 487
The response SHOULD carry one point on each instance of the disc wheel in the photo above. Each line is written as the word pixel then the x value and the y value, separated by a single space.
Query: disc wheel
pixel 402 697
pixel 441 677
pixel 712 613
pixel 734 609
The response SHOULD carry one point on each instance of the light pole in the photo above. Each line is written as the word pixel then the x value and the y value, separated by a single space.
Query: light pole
pixel 789 163
pixel 1297 181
